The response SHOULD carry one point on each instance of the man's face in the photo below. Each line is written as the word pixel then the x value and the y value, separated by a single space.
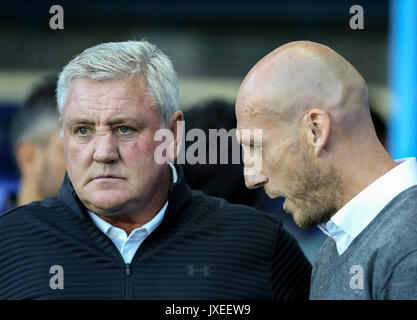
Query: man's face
pixel 109 144
pixel 289 169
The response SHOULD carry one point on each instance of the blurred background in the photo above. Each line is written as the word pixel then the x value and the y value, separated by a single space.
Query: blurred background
pixel 213 45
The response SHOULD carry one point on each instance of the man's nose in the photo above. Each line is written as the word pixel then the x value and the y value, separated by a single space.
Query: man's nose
pixel 106 149
pixel 254 181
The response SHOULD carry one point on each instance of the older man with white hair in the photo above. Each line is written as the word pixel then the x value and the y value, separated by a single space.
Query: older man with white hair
pixel 125 226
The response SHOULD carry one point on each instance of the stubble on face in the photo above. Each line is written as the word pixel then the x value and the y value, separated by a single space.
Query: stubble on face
pixel 313 190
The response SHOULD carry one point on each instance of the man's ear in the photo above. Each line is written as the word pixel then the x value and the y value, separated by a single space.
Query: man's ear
pixel 26 157
pixel 176 125
pixel 316 129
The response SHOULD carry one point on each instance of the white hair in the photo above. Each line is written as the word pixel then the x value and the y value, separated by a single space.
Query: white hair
pixel 114 60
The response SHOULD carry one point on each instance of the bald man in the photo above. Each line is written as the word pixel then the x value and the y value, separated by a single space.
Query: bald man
pixel 320 151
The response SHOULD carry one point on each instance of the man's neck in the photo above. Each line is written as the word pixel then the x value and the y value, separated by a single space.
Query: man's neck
pixel 130 217
pixel 368 167
pixel 131 221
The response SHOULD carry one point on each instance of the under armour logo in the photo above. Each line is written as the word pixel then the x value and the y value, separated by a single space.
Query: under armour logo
pixel 193 270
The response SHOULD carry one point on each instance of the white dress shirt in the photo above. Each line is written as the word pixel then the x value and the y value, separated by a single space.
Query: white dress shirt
pixel 346 224
pixel 128 245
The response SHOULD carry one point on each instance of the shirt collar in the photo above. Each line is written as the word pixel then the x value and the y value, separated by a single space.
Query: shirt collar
pixel 150 226
pixel 354 216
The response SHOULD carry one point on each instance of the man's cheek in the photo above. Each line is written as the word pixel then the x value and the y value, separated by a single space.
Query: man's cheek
pixel 132 151
pixel 80 151
pixel 78 156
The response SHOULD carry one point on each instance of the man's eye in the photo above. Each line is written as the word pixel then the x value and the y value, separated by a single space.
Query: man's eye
pixel 124 129
pixel 82 131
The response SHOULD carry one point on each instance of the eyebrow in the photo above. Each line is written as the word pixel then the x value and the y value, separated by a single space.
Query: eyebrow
pixel 123 120
pixel 75 121
pixel 247 143
pixel 241 141
pixel 115 121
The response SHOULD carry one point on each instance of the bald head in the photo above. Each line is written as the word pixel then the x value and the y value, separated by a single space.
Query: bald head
pixel 302 75
pixel 318 147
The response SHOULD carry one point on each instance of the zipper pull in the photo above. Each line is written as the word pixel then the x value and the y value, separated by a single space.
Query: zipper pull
pixel 127 269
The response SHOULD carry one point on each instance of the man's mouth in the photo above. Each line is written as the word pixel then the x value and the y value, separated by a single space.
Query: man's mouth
pixel 106 177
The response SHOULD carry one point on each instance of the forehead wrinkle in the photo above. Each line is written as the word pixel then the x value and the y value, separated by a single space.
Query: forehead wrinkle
pixel 244 116
pixel 103 118
pixel 256 109
pixel 120 91
pixel 98 101
pixel 123 108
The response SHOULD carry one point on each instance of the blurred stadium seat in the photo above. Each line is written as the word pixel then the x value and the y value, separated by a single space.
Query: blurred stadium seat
pixel 9 173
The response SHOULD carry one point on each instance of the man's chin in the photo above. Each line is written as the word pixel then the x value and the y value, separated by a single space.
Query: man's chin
pixel 301 219
pixel 272 195
pixel 304 223
pixel 105 209
pixel 105 204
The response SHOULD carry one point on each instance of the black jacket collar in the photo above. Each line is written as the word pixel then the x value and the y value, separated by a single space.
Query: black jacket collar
pixel 179 194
